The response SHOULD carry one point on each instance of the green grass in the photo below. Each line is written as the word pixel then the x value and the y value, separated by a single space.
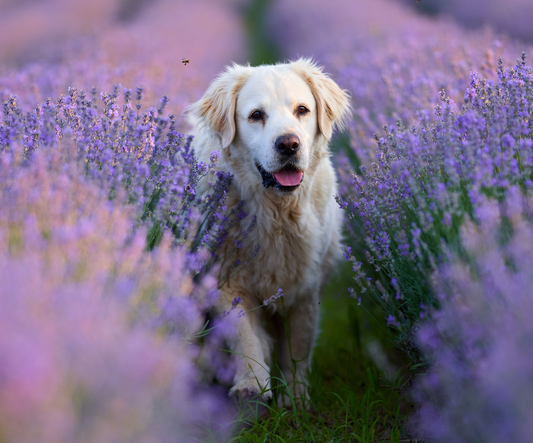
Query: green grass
pixel 350 398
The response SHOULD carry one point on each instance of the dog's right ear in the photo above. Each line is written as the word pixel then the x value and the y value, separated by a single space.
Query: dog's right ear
pixel 215 111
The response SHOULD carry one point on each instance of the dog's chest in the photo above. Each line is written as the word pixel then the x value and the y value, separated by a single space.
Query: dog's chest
pixel 288 257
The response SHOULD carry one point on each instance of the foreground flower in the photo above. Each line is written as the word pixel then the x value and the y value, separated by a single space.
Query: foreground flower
pixel 479 386
pixel 95 330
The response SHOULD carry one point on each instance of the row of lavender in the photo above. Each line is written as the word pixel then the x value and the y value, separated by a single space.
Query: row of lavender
pixel 107 255
pixel 440 208
pixel 429 179
pixel 457 191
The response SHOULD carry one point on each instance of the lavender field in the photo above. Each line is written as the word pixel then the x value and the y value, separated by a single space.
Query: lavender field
pixel 109 259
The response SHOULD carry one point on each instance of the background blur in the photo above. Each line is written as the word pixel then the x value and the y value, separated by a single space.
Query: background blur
pixel 53 44
pixel 48 45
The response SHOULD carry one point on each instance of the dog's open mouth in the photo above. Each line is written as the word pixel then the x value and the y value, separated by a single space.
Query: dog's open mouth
pixel 286 179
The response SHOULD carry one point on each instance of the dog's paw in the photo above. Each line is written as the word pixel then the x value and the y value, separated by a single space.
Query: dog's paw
pixel 249 388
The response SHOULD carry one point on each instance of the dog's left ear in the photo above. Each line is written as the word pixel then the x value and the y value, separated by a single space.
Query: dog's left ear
pixel 215 111
pixel 333 103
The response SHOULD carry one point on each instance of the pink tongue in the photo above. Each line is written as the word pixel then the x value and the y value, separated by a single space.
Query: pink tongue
pixel 288 178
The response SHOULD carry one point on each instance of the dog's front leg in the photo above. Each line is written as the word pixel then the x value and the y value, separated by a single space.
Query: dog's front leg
pixel 252 376
pixel 299 329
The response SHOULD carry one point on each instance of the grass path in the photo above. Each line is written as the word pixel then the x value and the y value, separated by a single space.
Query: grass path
pixel 351 401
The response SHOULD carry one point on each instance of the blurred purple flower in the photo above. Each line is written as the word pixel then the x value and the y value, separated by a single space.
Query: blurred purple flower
pixel 95 331
pixel 479 386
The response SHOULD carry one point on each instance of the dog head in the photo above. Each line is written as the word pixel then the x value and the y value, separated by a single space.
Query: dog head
pixel 274 116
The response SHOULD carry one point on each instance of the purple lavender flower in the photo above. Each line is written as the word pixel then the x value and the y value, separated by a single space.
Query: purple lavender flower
pixel 236 301
pixel 391 321
pixel 479 383
pixel 273 298
pixel 88 180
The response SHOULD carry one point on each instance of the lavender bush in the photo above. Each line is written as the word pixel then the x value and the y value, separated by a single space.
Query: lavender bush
pixel 440 211
pixel 479 385
pixel 89 187
pixel 428 180
pixel 140 153
pixel 96 331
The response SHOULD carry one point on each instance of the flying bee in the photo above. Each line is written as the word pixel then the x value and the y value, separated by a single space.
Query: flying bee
pixel 185 61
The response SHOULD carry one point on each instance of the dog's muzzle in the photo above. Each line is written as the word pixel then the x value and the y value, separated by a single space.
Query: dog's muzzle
pixel 286 179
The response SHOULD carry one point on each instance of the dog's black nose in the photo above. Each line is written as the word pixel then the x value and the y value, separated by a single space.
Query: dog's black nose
pixel 287 144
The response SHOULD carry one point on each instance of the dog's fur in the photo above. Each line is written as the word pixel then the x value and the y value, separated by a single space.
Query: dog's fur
pixel 299 230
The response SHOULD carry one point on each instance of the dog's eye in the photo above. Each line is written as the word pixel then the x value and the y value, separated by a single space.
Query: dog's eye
pixel 256 115
pixel 302 110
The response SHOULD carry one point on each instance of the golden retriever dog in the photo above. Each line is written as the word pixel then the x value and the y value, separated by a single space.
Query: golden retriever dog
pixel 272 125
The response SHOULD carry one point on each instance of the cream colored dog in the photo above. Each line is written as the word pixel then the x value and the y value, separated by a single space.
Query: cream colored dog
pixel 272 125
